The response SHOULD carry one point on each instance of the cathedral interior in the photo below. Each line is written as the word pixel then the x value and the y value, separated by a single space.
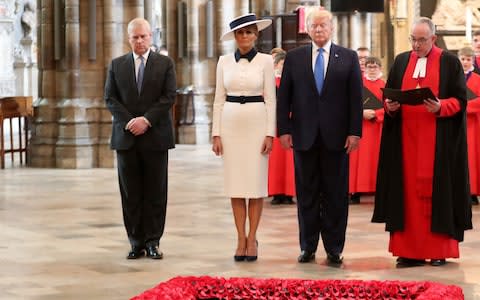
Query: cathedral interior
pixel 60 214
pixel 58 52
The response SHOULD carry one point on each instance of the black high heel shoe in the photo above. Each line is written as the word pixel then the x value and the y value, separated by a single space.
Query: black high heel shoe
pixel 239 257
pixel 252 257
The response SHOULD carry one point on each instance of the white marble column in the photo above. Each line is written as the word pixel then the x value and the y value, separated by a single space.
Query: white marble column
pixel 360 30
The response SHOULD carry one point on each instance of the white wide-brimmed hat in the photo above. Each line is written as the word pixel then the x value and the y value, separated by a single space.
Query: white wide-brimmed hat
pixel 244 21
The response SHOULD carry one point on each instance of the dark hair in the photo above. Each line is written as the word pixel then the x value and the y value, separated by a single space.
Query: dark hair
pixel 372 60
pixel 363 49
pixel 252 27
pixel 476 32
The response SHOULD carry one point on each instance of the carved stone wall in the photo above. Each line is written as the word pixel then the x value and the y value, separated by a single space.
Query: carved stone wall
pixel 70 128
pixel 7 76
pixel 451 16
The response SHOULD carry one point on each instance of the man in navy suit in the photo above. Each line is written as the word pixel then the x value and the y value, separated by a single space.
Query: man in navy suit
pixel 139 92
pixel 319 114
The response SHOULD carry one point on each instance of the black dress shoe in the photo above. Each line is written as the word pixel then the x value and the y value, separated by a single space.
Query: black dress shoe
pixel 474 200
pixel 277 199
pixel 135 253
pixel 403 262
pixel 336 259
pixel 153 252
pixel 306 256
pixel 354 198
pixel 288 200
pixel 438 262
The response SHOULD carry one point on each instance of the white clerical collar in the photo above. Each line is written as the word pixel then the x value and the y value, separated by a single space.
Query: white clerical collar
pixel 420 68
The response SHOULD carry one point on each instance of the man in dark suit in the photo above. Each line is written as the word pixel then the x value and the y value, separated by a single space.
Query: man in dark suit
pixel 321 86
pixel 139 92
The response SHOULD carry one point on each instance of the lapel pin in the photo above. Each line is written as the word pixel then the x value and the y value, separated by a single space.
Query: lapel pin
pixel 336 55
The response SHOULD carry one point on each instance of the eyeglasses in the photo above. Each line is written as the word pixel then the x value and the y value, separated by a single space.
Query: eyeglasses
pixel 420 41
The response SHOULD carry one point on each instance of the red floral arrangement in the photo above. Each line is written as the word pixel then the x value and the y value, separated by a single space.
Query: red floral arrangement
pixel 205 287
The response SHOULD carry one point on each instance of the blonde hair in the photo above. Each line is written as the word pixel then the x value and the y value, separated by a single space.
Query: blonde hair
pixel 321 13
pixel 277 50
pixel 466 51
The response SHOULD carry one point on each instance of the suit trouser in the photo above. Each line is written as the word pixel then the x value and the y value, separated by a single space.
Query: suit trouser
pixel 142 175
pixel 321 178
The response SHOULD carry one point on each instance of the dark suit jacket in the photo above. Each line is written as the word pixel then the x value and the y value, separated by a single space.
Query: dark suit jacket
pixel 335 113
pixel 154 102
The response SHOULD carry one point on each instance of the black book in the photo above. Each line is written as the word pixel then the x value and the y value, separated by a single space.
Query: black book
pixel 410 97
pixel 370 101
pixel 470 94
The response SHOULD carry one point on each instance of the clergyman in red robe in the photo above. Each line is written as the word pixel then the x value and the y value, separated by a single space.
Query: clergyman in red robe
pixel 423 192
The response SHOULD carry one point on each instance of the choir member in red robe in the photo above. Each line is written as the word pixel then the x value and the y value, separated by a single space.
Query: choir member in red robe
pixel 364 160
pixel 363 53
pixel 467 56
pixel 476 50
pixel 281 171
pixel 423 192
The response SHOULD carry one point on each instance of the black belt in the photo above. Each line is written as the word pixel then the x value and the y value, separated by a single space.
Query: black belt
pixel 245 99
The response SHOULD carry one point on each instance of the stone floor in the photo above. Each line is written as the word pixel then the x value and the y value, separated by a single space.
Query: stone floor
pixel 63 238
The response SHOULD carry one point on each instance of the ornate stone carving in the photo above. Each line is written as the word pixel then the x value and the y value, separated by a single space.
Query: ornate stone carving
pixel 450 14
pixel 7 87
pixel 7 9
pixel 28 19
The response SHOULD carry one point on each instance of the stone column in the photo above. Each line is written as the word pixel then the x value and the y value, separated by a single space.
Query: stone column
pixel 227 10
pixel 360 30
pixel 196 77
pixel 77 143
pixel 260 7
pixel 401 23
pixel 195 70
pixel 277 7
pixel 44 126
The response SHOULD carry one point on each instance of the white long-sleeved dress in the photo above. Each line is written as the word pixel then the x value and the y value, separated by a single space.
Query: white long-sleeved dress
pixel 243 127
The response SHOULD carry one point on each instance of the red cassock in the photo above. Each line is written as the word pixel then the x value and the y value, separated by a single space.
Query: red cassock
pixel 363 162
pixel 281 171
pixel 473 133
pixel 418 147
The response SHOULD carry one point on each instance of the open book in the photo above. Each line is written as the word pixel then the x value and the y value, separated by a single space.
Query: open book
pixel 410 97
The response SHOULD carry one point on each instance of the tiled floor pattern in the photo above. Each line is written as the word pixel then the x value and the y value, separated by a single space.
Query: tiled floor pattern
pixel 62 237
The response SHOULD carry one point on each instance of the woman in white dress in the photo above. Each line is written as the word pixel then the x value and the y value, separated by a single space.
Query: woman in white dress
pixel 243 127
